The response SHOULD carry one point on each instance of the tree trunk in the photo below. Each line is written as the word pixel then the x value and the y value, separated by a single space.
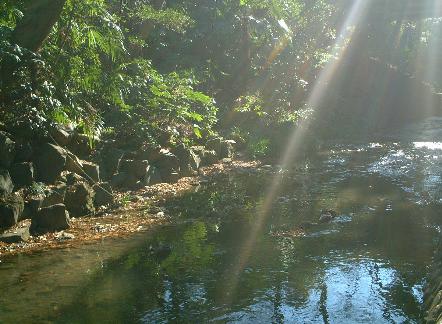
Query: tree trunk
pixel 39 18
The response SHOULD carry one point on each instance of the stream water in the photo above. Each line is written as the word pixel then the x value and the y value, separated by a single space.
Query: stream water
pixel 218 265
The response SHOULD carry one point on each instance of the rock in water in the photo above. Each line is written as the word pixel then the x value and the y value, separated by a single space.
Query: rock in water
pixel 50 219
pixel 327 215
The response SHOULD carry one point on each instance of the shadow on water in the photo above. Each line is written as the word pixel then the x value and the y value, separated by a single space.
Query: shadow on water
pixel 367 265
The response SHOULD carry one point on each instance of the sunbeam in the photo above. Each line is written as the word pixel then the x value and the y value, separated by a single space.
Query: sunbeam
pixel 354 17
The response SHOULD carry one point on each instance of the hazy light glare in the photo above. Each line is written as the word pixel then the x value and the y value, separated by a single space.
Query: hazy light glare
pixel 355 15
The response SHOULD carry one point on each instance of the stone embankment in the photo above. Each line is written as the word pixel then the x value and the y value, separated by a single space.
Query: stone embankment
pixel 433 291
pixel 47 184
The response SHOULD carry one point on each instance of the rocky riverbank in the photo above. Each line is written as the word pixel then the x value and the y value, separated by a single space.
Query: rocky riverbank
pixel 57 191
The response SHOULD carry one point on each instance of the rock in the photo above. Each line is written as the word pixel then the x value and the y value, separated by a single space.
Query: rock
pixel 80 145
pixel 72 178
pixel 189 161
pixel 50 162
pixel 208 158
pixel 50 219
pixel 7 150
pixel 19 236
pixel 226 150
pixel 73 164
pixel 125 180
pixel 135 168
pixel 172 177
pixel 79 200
pixel 23 152
pixel 60 136
pixel 152 176
pixel 103 194
pixel 214 144
pixel 31 208
pixel 150 153
pixel 22 174
pixel 327 215
pixel 6 185
pixel 11 208
pixel 64 236
pixel 169 166
pixel 54 196
pixel 91 171
pixel 110 161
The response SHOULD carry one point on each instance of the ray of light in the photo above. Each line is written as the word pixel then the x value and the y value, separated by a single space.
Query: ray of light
pixel 354 17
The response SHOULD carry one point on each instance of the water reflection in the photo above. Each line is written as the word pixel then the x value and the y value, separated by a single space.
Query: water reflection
pixel 365 266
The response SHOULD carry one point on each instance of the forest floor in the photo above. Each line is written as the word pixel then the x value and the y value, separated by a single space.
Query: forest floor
pixel 138 211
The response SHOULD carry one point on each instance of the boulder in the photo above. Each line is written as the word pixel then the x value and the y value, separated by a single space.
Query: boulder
pixel 135 168
pixel 110 161
pixel 60 135
pixel 23 152
pixel 6 185
pixel 22 174
pixel 223 148
pixel 168 164
pixel 189 161
pixel 91 171
pixel 7 150
pixel 11 208
pixel 124 180
pixel 150 153
pixel 152 176
pixel 79 200
pixel 50 162
pixel 19 236
pixel 208 158
pixel 72 178
pixel 32 205
pixel 73 164
pixel 54 196
pixel 80 145
pixel 103 194
pixel 50 219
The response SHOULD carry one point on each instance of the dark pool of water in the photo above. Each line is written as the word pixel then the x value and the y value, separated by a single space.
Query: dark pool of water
pixel 223 262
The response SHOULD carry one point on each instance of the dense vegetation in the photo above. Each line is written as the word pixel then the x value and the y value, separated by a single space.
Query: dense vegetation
pixel 178 71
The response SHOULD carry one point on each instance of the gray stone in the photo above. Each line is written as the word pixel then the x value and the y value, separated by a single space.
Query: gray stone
pixel 135 168
pixel 19 236
pixel 50 219
pixel 80 145
pixel 110 161
pixel 73 164
pixel 79 200
pixel 91 171
pixel 11 208
pixel 60 135
pixel 54 196
pixel 124 180
pixel 72 178
pixel 7 150
pixel 152 176
pixel 22 174
pixel 23 152
pixel 6 185
pixel 208 158
pixel 32 205
pixel 103 194
pixel 50 162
